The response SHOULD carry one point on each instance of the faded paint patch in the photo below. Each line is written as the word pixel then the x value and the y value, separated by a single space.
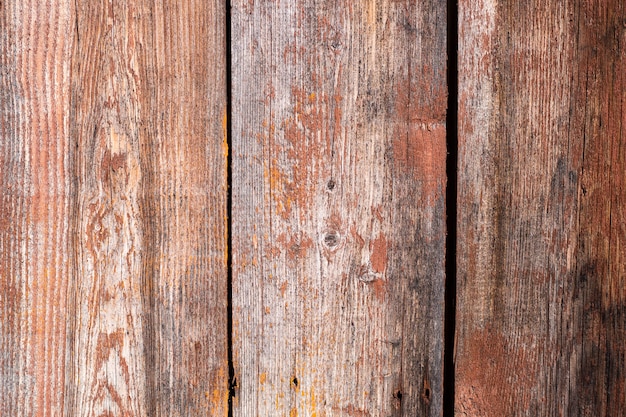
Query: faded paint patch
pixel 379 287
pixel 419 143
pixel 297 245
pixel 421 150
pixel 112 162
pixel 351 411
pixel 378 257
pixel 487 372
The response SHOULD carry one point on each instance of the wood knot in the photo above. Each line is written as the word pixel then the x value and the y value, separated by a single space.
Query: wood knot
pixel 332 239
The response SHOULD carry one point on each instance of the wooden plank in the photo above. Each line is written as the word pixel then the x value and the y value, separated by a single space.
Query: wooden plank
pixel 184 202
pixel 148 102
pixel 339 142
pixel 114 195
pixel 35 204
pixel 541 271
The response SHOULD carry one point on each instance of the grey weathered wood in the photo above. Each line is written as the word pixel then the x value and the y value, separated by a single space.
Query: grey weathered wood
pixel 541 301
pixel 339 148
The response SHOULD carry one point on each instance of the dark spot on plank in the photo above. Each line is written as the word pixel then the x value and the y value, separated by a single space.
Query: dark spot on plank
pixel 331 239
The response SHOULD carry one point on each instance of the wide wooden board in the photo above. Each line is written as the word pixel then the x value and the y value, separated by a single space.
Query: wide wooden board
pixel 339 151
pixel 541 319
pixel 113 223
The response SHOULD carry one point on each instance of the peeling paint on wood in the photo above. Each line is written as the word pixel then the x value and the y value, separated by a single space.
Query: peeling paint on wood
pixel 339 148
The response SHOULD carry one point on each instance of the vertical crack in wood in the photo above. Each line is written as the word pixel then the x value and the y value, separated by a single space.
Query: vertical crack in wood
pixel 451 210
pixel 232 383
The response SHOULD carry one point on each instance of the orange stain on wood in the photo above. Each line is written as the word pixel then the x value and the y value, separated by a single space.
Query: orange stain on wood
pixel 218 399
pixel 283 288
pixel 225 149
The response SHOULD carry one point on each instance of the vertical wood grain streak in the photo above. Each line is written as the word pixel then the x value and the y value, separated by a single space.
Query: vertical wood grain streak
pixel 184 207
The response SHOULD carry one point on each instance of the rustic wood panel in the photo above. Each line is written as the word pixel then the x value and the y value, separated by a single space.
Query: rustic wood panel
pixel 35 204
pixel 184 200
pixel 113 223
pixel 339 143
pixel 541 269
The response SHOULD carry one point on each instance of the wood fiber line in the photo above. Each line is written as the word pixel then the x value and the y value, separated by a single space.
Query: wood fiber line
pixel 35 204
pixel 541 301
pixel 339 135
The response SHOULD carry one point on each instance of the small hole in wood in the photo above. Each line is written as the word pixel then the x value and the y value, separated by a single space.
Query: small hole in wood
pixel 331 239
pixel 330 185
pixel 398 395
pixel 427 393
pixel 294 382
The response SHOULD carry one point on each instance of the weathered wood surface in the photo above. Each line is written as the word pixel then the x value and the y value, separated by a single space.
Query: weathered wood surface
pixel 36 203
pixel 541 270
pixel 339 148
pixel 113 215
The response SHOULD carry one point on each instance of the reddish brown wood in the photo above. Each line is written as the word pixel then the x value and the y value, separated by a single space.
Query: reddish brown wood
pixel 541 291
pixel 35 204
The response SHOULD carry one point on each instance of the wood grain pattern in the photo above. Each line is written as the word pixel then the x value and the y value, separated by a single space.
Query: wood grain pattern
pixel 35 204
pixel 184 202
pixel 541 300
pixel 108 364
pixel 113 228
pixel 339 135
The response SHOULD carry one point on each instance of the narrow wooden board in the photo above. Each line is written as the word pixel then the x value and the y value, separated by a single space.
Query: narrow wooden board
pixel 35 204
pixel 184 206
pixel 339 150
pixel 113 226
pixel 541 318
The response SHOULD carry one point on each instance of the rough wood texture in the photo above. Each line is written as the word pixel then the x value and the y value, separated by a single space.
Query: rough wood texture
pixel 184 200
pixel 35 204
pixel 339 133
pixel 541 269
pixel 113 210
